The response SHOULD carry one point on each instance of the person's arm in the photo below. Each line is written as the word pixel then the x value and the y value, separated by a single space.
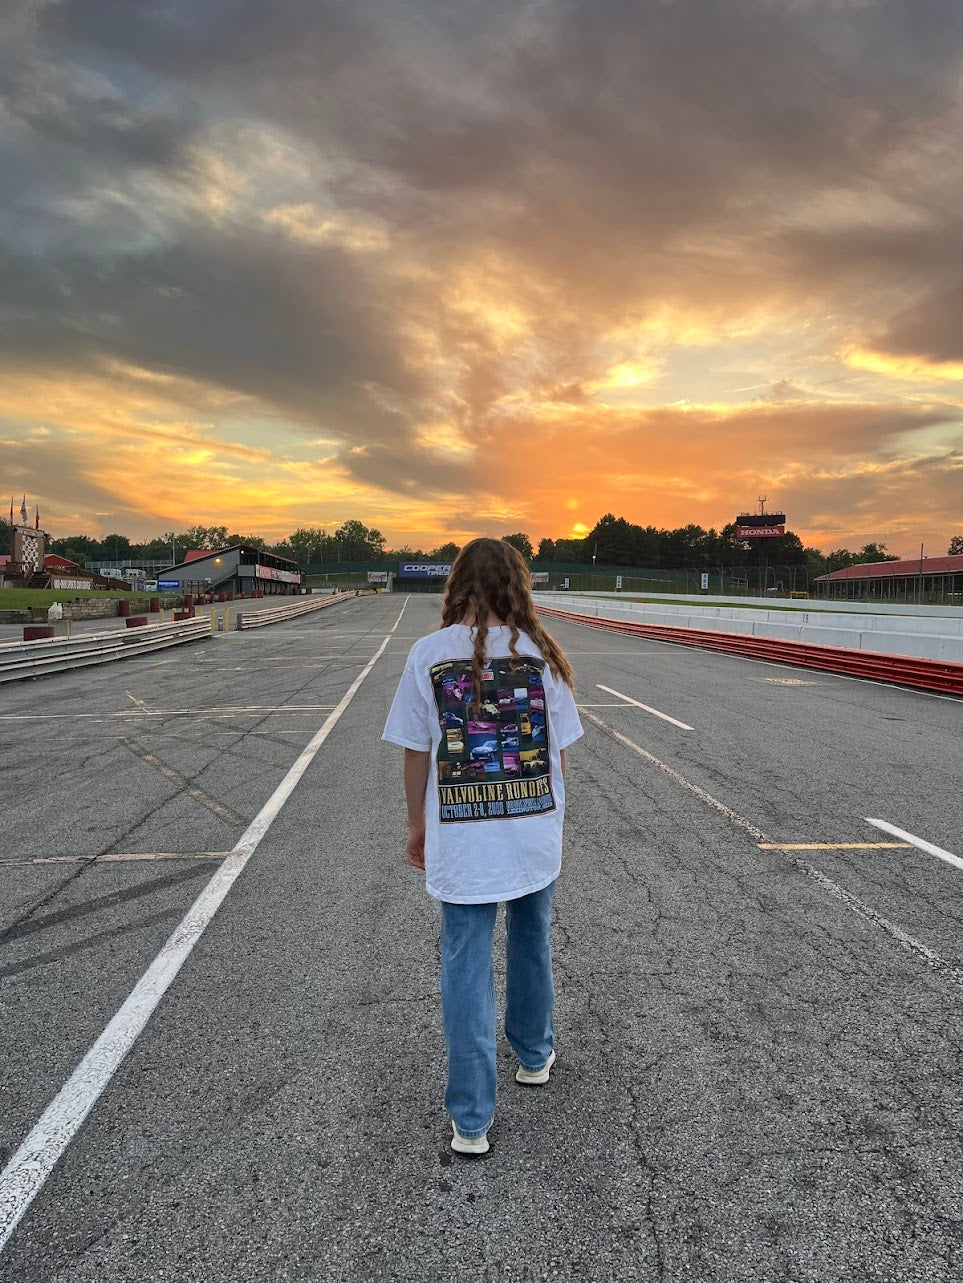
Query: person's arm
pixel 416 783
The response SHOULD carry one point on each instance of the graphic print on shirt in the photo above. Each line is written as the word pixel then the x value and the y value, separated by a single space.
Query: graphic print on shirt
pixel 493 759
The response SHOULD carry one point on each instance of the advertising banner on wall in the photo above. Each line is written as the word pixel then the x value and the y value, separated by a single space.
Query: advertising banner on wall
pixel 539 576
pixel 424 569
pixel 274 572
pixel 377 576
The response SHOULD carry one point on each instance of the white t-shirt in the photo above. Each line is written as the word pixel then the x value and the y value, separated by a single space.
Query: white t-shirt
pixel 496 796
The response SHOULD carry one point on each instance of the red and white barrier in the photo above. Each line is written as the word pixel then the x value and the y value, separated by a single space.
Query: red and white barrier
pixel 899 670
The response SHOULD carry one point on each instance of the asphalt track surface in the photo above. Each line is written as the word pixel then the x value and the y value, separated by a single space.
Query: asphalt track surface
pixel 758 1050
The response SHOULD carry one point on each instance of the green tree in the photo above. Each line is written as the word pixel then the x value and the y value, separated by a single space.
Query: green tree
pixel 815 562
pixel 617 542
pixel 307 545
pixel 115 548
pixel 685 547
pixel 76 548
pixel 156 549
pixel 611 541
pixel 207 537
pixel 522 543
pixel 839 559
pixel 356 542
pixel 874 552
pixel 571 550
pixel 445 552
pixel 546 550
pixel 956 546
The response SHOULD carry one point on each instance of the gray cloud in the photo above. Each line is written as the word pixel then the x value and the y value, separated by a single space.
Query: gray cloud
pixel 607 156
pixel 931 328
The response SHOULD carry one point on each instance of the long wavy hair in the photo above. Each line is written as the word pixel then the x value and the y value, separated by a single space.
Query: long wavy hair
pixel 490 576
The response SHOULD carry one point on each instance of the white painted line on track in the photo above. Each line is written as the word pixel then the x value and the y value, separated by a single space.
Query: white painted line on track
pixel 598 705
pixel 28 1169
pixel 131 714
pixel 115 857
pixel 932 959
pixel 922 843
pixel 654 711
pixel 175 777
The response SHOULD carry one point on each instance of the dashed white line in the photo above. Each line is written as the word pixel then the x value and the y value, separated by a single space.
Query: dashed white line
pixel 922 843
pixel 35 1159
pixel 855 905
pixel 654 711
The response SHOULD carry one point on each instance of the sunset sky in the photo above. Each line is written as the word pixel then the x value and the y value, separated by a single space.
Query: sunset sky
pixel 455 267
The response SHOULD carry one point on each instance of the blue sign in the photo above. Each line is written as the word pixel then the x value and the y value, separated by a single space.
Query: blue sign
pixel 168 583
pixel 424 569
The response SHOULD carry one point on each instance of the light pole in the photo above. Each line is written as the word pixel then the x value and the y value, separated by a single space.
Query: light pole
pixel 921 576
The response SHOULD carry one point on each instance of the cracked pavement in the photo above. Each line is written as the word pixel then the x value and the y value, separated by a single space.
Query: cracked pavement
pixel 754 1084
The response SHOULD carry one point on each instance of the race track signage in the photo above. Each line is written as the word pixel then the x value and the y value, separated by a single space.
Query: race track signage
pixel 424 569
pixel 769 525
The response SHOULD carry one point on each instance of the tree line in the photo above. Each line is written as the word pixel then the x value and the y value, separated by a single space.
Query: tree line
pixel 613 541
pixel 309 545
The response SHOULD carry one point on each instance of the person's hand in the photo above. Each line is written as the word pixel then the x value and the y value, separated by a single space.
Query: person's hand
pixel 415 846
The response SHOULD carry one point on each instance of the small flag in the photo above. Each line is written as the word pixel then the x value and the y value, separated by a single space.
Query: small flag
pixel 23 510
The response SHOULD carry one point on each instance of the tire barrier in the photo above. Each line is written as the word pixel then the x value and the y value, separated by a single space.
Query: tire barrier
pixel 896 670
pixel 277 615
pixel 20 660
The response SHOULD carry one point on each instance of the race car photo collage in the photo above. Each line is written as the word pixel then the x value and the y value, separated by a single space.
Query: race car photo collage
pixel 503 738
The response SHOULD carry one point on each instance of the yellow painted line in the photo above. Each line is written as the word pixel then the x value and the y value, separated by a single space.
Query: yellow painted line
pixel 832 846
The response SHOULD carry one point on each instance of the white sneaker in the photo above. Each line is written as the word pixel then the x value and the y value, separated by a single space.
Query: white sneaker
pixel 535 1077
pixel 468 1144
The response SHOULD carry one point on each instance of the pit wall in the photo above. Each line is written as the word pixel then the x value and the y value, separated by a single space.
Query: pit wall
pixel 814 605
pixel 920 636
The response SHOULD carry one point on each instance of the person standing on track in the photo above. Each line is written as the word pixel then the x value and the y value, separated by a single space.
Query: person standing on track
pixel 484 711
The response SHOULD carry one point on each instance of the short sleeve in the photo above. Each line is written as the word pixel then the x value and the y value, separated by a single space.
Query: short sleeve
pixel 408 723
pixel 566 723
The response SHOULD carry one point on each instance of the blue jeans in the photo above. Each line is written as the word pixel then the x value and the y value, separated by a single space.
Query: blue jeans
pixel 468 999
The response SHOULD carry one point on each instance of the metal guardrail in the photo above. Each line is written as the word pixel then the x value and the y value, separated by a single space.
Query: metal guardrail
pixel 20 660
pixel 898 670
pixel 260 618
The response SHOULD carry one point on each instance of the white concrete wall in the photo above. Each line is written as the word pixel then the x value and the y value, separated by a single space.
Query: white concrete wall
pixel 924 638
pixel 812 604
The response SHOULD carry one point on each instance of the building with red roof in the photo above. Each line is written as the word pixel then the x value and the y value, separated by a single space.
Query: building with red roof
pixel 922 579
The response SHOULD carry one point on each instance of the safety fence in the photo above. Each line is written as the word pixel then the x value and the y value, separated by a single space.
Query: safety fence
pixel 23 659
pixel 277 615
pixel 899 670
